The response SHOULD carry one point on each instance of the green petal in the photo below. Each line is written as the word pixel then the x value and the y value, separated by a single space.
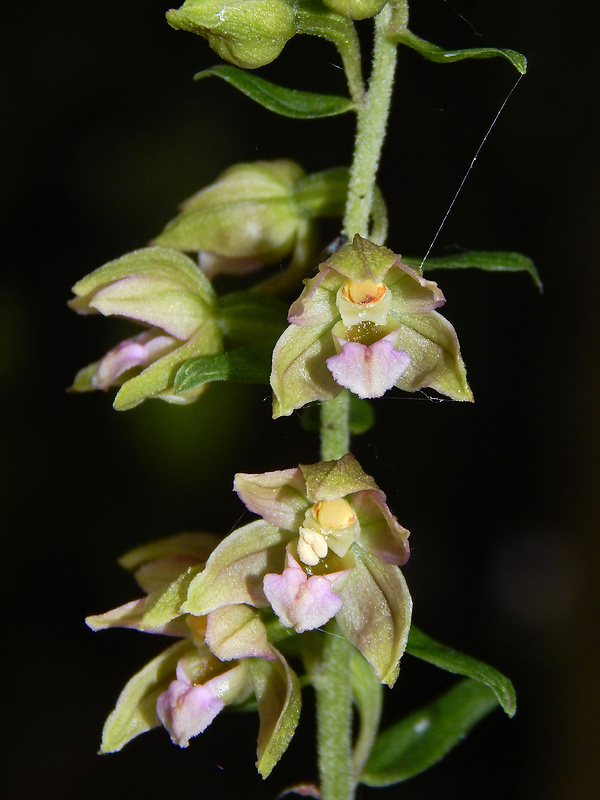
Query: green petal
pixel 299 373
pixel 376 613
pixel 436 363
pixel 157 379
pixel 157 262
pixel 235 570
pixel 165 605
pixel 237 632
pixel 330 480
pixel 135 711
pixel 278 694
pixel 195 545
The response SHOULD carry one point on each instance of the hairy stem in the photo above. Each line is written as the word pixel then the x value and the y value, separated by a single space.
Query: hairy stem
pixel 334 719
pixel 334 697
pixel 371 128
pixel 335 427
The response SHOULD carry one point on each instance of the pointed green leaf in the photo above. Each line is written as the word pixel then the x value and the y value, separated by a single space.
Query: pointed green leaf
pixel 490 261
pixel 422 646
pixel 277 692
pixel 420 740
pixel 279 99
pixel 434 53
pixel 248 364
pixel 135 711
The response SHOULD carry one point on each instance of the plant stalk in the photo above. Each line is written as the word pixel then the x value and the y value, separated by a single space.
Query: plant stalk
pixel 370 131
pixel 333 692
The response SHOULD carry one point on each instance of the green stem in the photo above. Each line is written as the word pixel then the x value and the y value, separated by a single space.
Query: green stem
pixel 333 688
pixel 334 718
pixel 371 128
pixel 313 19
pixel 335 427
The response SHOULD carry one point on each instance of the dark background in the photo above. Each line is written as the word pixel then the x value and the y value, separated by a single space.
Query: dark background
pixel 103 134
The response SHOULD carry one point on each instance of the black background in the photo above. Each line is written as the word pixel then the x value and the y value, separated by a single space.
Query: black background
pixel 103 134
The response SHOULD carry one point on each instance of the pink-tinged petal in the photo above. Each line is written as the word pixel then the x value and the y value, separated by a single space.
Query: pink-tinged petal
pixel 380 532
pixel 131 616
pixel 279 497
pixel 213 264
pixel 412 293
pixel 126 616
pixel 316 305
pixel 187 710
pixel 369 370
pixel 301 602
pixel 137 352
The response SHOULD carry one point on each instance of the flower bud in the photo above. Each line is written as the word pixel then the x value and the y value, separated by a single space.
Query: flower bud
pixel 356 9
pixel 247 218
pixel 248 33
pixel 165 291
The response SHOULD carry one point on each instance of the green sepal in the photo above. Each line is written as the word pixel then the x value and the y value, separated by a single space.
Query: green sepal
pixel 278 695
pixel 135 712
pixel 158 379
pixel 279 99
pixel 237 631
pixel 152 262
pixel 234 572
pixel 368 699
pixel 250 317
pixel 196 545
pixel 432 52
pixel 164 606
pixel 422 739
pixel 422 646
pixel 329 480
pixel 491 261
pixel 362 416
pixel 376 613
pixel 250 363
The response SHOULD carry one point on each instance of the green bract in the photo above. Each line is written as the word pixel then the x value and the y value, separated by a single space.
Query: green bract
pixel 248 33
pixel 167 293
pixel 356 9
pixel 247 218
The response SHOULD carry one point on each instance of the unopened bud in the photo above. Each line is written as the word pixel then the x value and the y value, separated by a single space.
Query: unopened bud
pixel 248 33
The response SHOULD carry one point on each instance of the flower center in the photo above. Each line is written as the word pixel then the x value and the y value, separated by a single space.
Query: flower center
pixel 363 301
pixel 363 292
pixel 328 524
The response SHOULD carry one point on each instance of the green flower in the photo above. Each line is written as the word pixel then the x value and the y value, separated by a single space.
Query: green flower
pixel 366 322
pixel 222 659
pixel 167 293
